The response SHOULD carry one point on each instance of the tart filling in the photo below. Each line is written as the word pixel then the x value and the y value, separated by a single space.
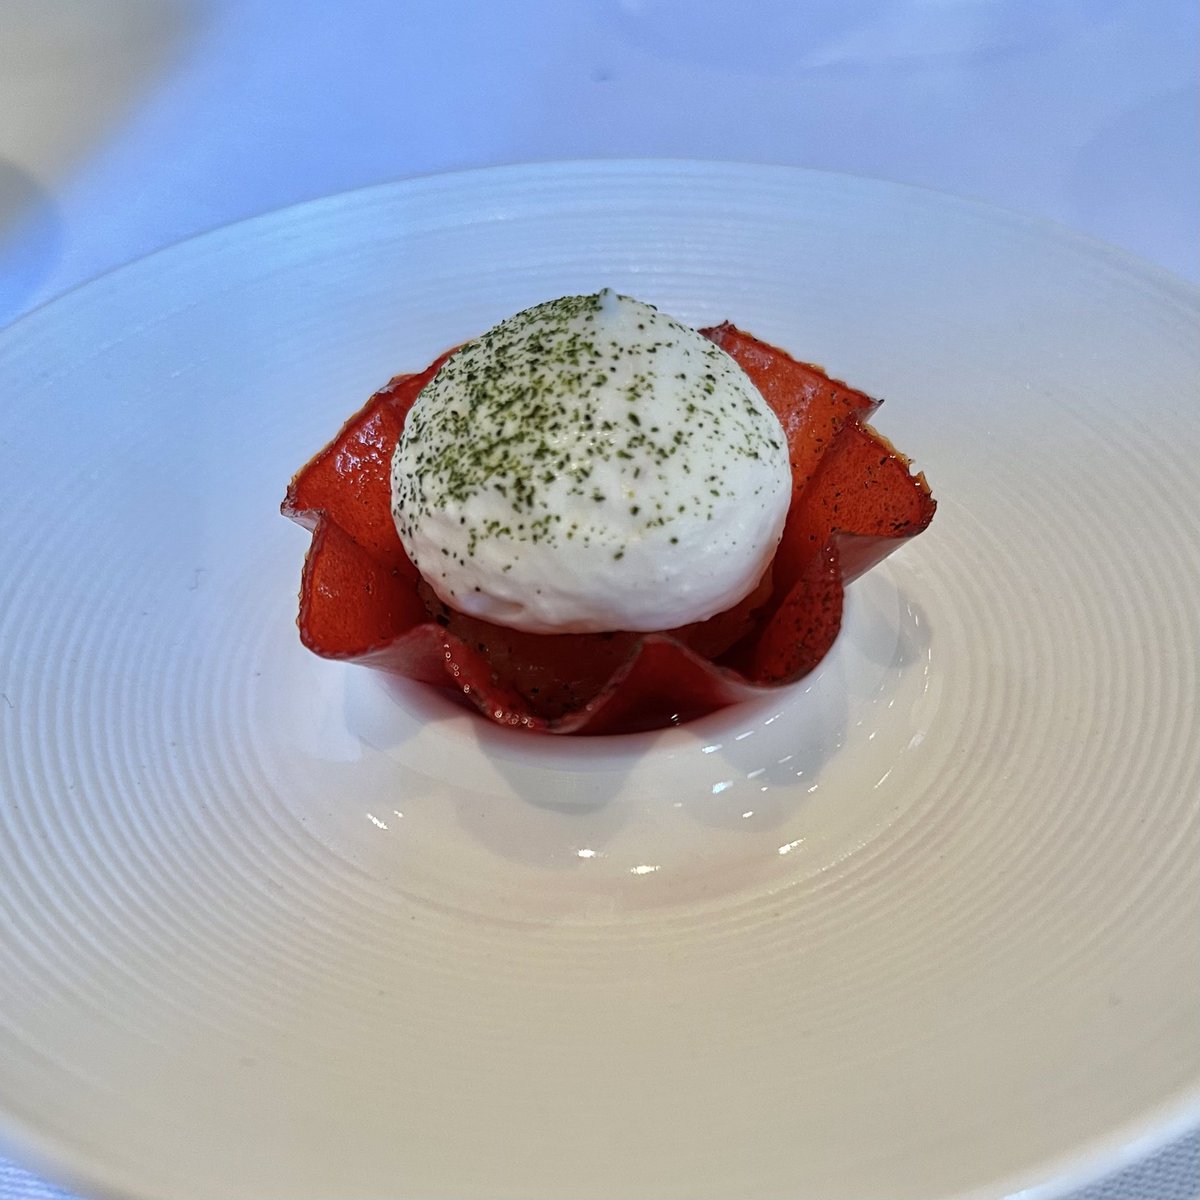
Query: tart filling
pixel 591 465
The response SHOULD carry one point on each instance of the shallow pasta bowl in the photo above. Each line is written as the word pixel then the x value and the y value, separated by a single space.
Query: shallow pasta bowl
pixel 919 927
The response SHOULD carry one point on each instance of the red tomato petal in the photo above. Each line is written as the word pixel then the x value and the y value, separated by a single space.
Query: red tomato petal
pixel 804 627
pixel 664 684
pixel 862 490
pixel 350 480
pixel 351 602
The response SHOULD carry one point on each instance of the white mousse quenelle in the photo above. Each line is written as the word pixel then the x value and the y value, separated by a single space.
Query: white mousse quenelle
pixel 591 465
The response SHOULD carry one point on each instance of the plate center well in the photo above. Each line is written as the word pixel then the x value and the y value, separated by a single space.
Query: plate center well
pixel 432 802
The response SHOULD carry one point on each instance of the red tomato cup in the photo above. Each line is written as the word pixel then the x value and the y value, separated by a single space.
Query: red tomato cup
pixel 854 501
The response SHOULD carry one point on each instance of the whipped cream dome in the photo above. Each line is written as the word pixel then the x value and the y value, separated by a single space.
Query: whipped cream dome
pixel 590 465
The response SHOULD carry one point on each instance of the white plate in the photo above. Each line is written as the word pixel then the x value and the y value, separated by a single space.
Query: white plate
pixel 921 928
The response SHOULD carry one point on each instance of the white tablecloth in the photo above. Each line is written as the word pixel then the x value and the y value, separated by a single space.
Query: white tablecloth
pixel 126 125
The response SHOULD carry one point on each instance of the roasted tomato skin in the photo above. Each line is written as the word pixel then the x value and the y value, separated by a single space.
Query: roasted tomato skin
pixel 854 500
